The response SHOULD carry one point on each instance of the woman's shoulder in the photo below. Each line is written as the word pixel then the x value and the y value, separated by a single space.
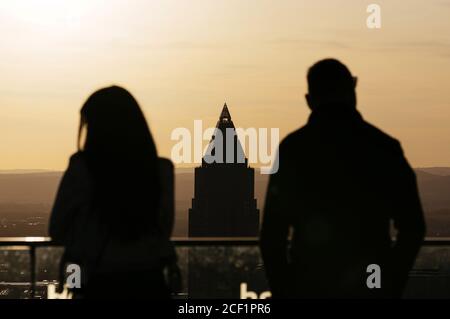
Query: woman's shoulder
pixel 78 164
pixel 78 159
pixel 78 156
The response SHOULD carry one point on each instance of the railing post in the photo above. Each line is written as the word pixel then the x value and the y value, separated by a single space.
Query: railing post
pixel 33 270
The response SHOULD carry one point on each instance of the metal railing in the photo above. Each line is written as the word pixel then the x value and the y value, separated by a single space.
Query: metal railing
pixel 32 243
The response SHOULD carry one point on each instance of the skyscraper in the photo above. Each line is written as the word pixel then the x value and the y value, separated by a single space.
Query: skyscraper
pixel 224 203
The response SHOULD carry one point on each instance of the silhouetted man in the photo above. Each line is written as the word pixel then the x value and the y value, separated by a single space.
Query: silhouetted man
pixel 340 183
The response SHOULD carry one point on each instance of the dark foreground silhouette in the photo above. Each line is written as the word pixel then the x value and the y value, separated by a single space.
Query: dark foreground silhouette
pixel 114 207
pixel 340 184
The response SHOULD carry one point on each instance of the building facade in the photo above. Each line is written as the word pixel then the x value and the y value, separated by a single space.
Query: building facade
pixel 224 203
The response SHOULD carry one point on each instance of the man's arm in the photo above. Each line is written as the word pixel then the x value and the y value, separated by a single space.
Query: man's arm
pixel 274 237
pixel 408 220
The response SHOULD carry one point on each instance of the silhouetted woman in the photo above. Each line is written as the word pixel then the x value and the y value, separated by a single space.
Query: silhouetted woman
pixel 107 210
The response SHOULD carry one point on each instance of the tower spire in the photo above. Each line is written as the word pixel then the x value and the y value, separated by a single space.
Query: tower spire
pixel 225 114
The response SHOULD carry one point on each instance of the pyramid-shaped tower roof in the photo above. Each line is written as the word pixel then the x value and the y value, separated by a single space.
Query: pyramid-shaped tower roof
pixel 225 114
pixel 224 125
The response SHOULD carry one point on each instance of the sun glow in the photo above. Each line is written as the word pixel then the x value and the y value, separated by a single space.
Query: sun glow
pixel 183 58
pixel 47 13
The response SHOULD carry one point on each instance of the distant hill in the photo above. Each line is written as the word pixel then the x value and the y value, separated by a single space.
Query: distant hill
pixel 25 195
pixel 434 190
pixel 443 171
pixel 24 171
pixel 29 188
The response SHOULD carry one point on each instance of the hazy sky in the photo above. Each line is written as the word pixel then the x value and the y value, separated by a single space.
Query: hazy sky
pixel 183 59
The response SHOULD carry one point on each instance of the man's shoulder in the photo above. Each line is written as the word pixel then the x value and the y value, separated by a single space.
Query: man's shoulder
pixel 295 137
pixel 305 134
pixel 381 137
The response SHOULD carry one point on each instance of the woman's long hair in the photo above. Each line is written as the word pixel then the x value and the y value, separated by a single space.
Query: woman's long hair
pixel 122 159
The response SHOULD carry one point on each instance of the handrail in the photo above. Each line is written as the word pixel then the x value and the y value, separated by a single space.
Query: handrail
pixel 185 241
pixel 182 241
pixel 35 242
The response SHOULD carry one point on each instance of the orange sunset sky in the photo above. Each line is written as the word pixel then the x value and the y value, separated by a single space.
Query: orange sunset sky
pixel 183 59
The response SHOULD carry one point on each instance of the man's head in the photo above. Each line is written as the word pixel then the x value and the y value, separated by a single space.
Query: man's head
pixel 330 85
